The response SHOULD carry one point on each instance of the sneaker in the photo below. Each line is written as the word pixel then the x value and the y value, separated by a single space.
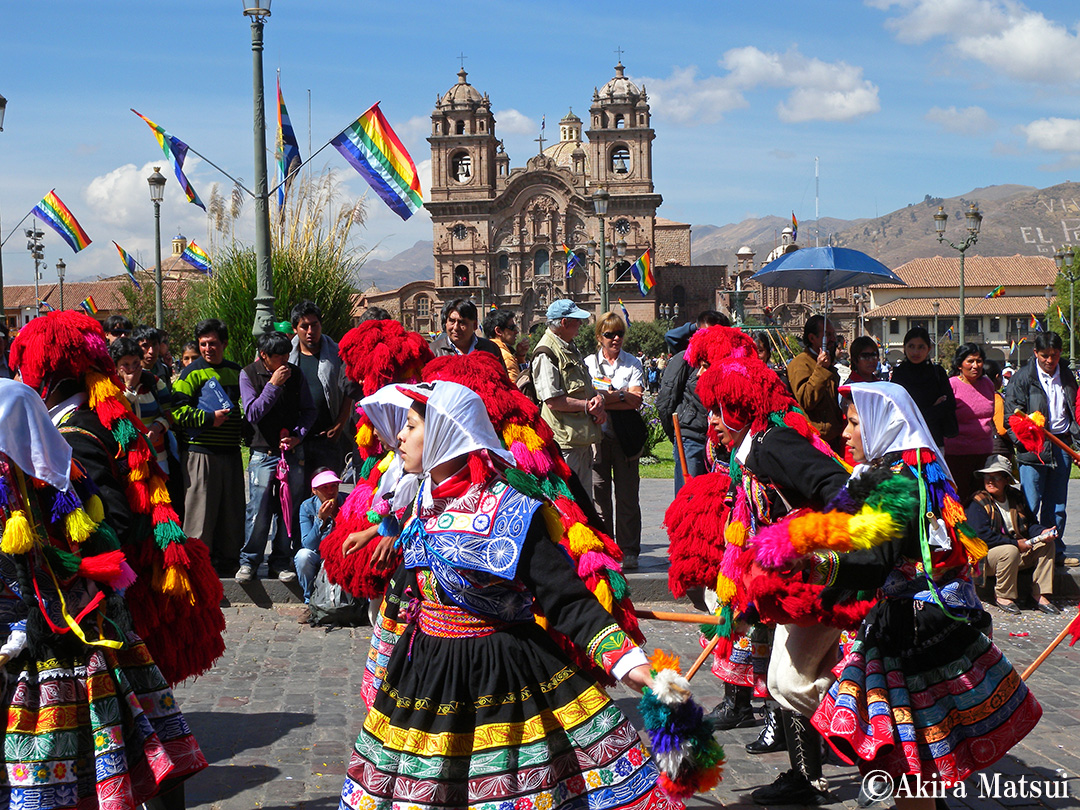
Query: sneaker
pixel 245 574
pixel 1071 562
pixel 792 787
pixel 286 576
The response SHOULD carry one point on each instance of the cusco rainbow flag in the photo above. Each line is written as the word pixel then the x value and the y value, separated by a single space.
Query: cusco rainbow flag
pixel 176 151
pixel 196 256
pixel 288 150
pixel 89 306
pixel 997 292
pixel 643 274
pixel 1035 324
pixel 57 216
pixel 373 149
pixel 572 261
pixel 129 265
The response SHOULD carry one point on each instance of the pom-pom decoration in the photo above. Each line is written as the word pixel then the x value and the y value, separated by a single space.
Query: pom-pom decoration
pixel 1029 430
pixel 680 735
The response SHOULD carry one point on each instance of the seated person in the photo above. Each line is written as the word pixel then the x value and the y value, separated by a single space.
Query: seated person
pixel 317 515
pixel 1000 516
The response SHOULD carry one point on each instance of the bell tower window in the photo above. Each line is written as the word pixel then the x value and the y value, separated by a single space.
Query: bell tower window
pixel 620 122
pixel 459 128
pixel 461 167
pixel 620 160
pixel 461 276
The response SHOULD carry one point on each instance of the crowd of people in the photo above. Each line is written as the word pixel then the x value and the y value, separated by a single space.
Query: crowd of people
pixel 493 510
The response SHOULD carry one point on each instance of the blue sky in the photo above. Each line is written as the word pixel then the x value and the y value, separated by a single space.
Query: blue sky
pixel 898 99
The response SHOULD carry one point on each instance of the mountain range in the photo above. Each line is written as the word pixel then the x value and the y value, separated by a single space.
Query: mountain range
pixel 1017 219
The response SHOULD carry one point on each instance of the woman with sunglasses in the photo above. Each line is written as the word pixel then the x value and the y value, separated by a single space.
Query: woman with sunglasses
pixel 864 360
pixel 619 378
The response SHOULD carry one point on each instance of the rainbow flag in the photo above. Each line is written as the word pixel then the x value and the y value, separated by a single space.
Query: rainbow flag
pixel 997 292
pixel 794 228
pixel 129 264
pixel 643 274
pixel 1061 317
pixel 625 314
pixel 572 261
pixel 371 147
pixel 89 306
pixel 45 306
pixel 56 215
pixel 1012 347
pixel 288 150
pixel 1022 340
pixel 948 334
pixel 196 256
pixel 176 151
pixel 1035 324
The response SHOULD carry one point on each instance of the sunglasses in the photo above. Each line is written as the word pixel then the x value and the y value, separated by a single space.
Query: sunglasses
pixel 613 335
pixel 120 333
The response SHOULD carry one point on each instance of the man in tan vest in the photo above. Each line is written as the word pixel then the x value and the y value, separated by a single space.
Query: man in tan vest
pixel 571 406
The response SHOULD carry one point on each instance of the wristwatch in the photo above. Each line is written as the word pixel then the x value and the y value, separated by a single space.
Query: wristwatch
pixel 622 396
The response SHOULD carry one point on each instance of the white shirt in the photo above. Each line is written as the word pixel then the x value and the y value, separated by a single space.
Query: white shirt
pixel 623 374
pixel 1057 421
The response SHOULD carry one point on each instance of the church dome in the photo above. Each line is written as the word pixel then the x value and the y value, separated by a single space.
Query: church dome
pixel 620 87
pixel 462 94
pixel 569 143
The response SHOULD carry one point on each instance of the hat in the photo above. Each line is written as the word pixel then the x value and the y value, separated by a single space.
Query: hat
pixel 565 308
pixel 324 478
pixel 998 464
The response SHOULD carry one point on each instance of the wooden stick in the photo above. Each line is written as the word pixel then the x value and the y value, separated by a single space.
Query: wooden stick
pixel 682 618
pixel 701 659
pixel 1046 653
pixel 678 445
pixel 1075 455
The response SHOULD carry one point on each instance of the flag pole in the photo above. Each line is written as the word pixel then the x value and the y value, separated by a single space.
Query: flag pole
pixel 17 224
pixel 237 182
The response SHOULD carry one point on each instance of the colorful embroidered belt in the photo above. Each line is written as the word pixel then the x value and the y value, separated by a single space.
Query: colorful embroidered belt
pixel 450 621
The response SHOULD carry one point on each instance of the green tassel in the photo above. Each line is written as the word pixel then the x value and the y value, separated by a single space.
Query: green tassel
pixel 618 585
pixel 708 630
pixel 63 563
pixel 124 432
pixel 727 621
pixel 168 532
pixel 525 484
pixel 104 539
pixel 897 495
pixel 368 466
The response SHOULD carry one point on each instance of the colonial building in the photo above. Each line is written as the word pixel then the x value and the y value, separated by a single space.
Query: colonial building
pixel 499 232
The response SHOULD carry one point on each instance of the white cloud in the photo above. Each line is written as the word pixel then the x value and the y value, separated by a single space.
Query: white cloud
pixel 820 91
pixel 968 121
pixel 513 122
pixel 1006 36
pixel 1054 134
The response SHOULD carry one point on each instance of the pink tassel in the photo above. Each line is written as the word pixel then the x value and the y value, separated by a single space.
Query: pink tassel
pixel 522 456
pixel 125 579
pixel 592 562
pixel 542 462
pixel 772 547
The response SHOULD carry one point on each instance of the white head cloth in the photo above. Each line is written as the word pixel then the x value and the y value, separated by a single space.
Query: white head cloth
pixel 29 438
pixel 387 409
pixel 891 421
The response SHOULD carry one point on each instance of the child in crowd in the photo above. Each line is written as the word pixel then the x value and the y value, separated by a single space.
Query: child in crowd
pixel 317 515
pixel 191 353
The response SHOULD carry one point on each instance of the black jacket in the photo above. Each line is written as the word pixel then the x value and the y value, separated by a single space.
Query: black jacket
pixel 803 475
pixel 1026 393
pixel 286 413
pixel 985 519
pixel 441 346
pixel 927 382
pixel 678 394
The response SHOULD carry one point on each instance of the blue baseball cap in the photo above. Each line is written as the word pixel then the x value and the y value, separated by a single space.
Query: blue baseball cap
pixel 565 308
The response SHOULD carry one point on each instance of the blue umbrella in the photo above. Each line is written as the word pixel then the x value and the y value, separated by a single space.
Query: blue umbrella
pixel 821 269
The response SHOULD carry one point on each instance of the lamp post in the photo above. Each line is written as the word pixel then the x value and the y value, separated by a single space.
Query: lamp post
pixel 1070 270
pixel 481 280
pixel 600 200
pixel 37 251
pixel 258 11
pixel 974 221
pixel 61 268
pixel 936 305
pixel 3 312
pixel 156 181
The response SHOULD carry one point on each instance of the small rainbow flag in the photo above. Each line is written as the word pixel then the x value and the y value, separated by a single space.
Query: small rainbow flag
pixel 45 306
pixel 1034 324
pixel 625 314
pixel 288 150
pixel 176 151
pixel 129 264
pixel 643 274
pixel 1061 317
pixel 948 334
pixel 1012 346
pixel 794 228
pixel 1022 340
pixel 89 306
pixel 371 147
pixel 56 215
pixel 572 261
pixel 997 292
pixel 196 256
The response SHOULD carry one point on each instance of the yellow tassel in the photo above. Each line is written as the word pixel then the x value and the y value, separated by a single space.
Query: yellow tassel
pixel 524 434
pixel 735 533
pixel 1038 419
pixel 100 388
pixel 384 464
pixel 18 536
pixel 603 593
pixel 870 528
pixel 78 526
pixel 95 509
pixel 140 472
pixel 583 539
pixel 974 546
pixel 158 492
pixel 365 435
pixel 725 590
pixel 176 582
pixel 552 522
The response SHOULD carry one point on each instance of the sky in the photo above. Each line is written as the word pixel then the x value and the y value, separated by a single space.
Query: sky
pixel 897 99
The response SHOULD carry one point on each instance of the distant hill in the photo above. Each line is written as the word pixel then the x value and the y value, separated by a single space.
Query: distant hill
pixel 409 265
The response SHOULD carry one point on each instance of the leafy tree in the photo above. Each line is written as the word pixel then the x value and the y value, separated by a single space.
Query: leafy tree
pixel 182 312
pixel 647 337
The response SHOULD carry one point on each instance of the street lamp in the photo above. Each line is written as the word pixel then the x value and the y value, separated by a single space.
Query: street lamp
pixel 259 10
pixel 61 268
pixel 481 280
pixel 37 251
pixel 1068 265
pixel 936 305
pixel 3 312
pixel 600 200
pixel 156 182
pixel 974 221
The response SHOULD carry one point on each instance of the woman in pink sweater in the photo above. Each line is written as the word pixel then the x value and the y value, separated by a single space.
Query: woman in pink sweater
pixel 966 452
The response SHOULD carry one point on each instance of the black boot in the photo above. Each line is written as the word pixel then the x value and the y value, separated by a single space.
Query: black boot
pixel 771 737
pixel 803 783
pixel 170 799
pixel 735 711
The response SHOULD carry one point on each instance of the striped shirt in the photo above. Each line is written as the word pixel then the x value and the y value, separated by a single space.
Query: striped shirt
pixel 186 392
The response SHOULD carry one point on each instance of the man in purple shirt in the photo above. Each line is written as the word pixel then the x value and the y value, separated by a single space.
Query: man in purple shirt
pixel 278 405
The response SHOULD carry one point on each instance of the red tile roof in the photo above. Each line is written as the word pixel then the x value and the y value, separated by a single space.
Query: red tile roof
pixel 979 271
pixel 1005 306
pixel 107 293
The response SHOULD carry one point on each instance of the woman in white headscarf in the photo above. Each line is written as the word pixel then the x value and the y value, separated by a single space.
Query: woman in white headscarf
pixel 478 705
pixel 923 692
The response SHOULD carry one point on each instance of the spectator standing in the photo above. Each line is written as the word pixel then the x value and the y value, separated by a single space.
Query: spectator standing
pixel 571 405
pixel 653 374
pixel 215 467
pixel 814 381
pixel 1002 445
pixel 317 516
pixel 864 356
pixel 316 355
pixel 5 370
pixel 678 396
pixel 966 452
pixel 278 405
pixel 116 326
pixel 500 326
pixel 927 383
pixel 1014 541
pixel 459 322
pixel 1046 385
pixel 149 340
pixel 620 380
pixel 190 353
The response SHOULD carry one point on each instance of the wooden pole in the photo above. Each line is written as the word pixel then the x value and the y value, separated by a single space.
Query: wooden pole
pixel 701 659
pixel 682 618
pixel 1046 653
pixel 679 447
pixel 1054 439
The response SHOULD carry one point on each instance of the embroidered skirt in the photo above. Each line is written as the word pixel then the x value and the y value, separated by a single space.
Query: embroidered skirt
pixel 103 732
pixel 920 693
pixel 501 721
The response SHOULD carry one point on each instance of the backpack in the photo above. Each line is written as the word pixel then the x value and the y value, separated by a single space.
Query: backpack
pixel 331 604
pixel 525 382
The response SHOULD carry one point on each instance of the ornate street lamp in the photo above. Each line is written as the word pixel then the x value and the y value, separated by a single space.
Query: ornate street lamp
pixel 936 305
pixel 156 182
pixel 481 280
pixel 1068 265
pixel 974 221
pixel 258 11
pixel 61 268
pixel 600 200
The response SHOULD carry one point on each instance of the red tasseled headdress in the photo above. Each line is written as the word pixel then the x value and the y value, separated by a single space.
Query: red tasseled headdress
pixel 58 346
pixel 377 353
pixel 714 343
pixel 486 375
pixel 695 527
pixel 745 390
